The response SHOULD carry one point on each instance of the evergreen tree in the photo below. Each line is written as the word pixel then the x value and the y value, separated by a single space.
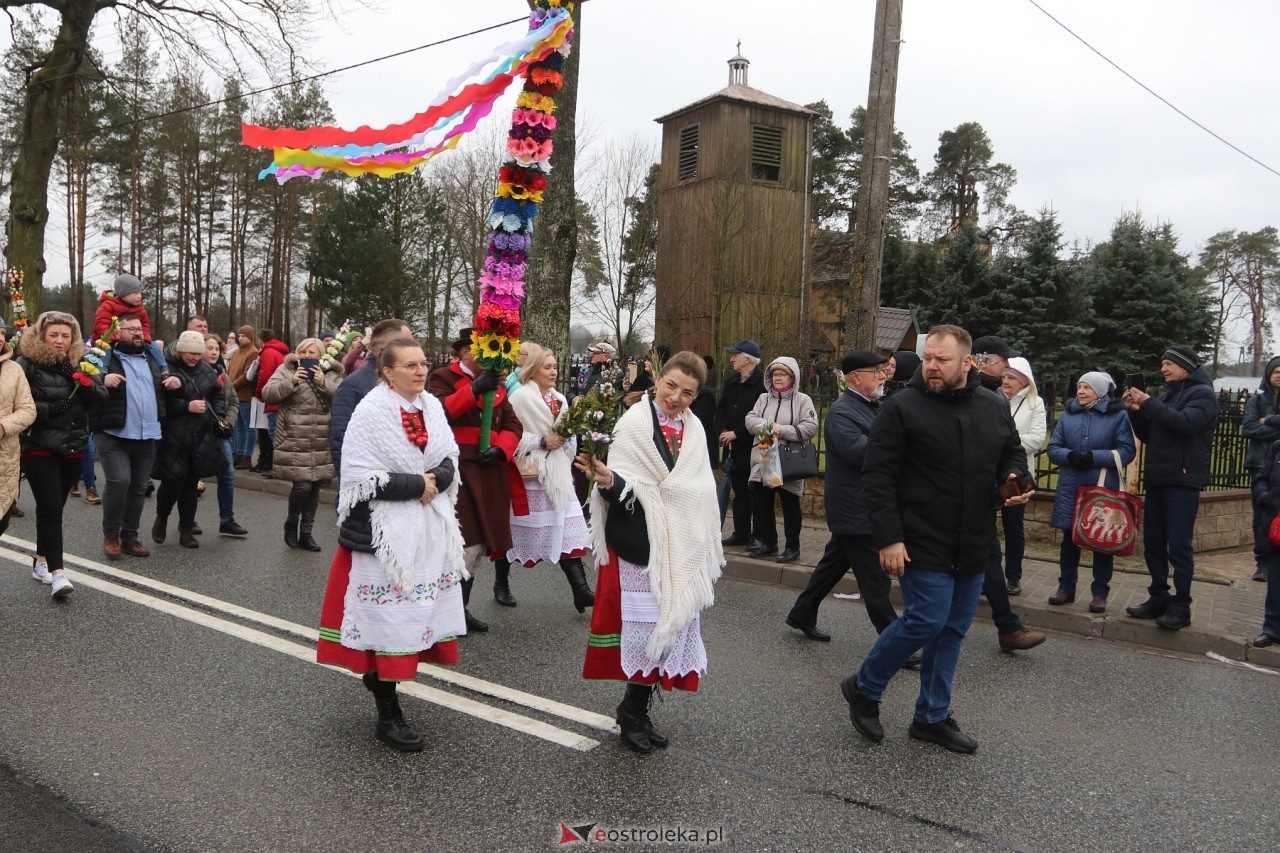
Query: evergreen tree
pixel 1146 298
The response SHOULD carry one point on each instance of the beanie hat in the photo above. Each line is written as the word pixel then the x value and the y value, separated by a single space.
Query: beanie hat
pixel 1183 356
pixel 190 341
pixel 1100 382
pixel 126 284
pixel 246 330
pixel 326 334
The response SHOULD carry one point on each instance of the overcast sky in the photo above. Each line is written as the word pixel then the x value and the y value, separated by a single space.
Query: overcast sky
pixel 1085 140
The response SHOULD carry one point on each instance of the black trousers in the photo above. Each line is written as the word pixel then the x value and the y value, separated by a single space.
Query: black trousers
pixel 50 478
pixel 739 472
pixel 764 526
pixel 183 493
pixel 304 498
pixel 842 554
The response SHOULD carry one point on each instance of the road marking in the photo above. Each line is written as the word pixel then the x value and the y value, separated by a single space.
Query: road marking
pixel 526 725
pixel 1240 663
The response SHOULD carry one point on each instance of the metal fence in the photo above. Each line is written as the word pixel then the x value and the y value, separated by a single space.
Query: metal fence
pixel 1226 464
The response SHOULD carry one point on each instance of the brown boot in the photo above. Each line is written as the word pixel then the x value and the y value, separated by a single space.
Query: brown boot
pixel 135 549
pixel 91 496
pixel 187 539
pixel 111 546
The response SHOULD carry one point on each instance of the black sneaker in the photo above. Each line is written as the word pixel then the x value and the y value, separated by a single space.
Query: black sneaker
pixel 230 528
pixel 1150 609
pixel 946 733
pixel 1260 575
pixel 1015 588
pixel 863 712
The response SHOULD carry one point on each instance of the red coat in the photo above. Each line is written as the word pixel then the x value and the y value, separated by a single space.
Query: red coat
pixel 487 491
pixel 271 357
pixel 110 305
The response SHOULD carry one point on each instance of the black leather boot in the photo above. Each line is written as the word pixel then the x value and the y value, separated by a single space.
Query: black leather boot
pixel 583 597
pixel 502 583
pixel 631 717
pixel 305 540
pixel 391 728
pixel 291 531
pixel 474 625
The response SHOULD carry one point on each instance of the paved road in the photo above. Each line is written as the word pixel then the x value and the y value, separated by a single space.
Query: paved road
pixel 147 718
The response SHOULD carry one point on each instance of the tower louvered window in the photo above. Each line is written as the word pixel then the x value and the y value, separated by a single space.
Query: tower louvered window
pixel 688 161
pixel 766 152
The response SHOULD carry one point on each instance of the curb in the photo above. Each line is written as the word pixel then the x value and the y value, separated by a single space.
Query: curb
pixel 1105 626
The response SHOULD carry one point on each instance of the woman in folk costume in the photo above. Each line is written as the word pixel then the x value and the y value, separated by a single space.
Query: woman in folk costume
pixel 552 528
pixel 394 595
pixel 655 528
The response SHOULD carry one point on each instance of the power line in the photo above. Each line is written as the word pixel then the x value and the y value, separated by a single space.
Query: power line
pixel 294 82
pixel 1151 91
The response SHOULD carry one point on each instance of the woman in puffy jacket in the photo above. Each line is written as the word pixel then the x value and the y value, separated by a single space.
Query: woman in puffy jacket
pixel 301 452
pixel 1018 383
pixel 794 418
pixel 50 354
pixel 1092 426
pixel 190 446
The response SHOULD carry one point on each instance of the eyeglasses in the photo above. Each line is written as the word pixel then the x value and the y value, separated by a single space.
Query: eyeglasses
pixel 880 371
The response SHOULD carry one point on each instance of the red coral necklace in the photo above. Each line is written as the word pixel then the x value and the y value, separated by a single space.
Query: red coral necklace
pixel 414 427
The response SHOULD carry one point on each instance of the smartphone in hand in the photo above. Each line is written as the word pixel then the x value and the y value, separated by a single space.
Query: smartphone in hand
pixel 1135 380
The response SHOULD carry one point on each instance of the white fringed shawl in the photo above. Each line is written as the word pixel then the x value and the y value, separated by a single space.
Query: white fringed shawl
pixel 375 447
pixel 555 467
pixel 683 516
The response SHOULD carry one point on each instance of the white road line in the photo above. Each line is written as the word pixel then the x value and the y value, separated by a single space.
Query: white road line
pixel 477 685
pixel 526 725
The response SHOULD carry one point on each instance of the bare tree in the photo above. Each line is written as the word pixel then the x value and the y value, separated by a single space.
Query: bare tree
pixel 217 31
pixel 1243 265
pixel 620 292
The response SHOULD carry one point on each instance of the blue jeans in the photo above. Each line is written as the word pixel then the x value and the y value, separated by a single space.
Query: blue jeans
pixel 1170 519
pixel 227 484
pixel 1069 565
pixel 242 440
pixel 87 472
pixel 938 610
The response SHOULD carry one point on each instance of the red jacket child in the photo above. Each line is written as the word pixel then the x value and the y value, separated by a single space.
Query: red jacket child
pixel 124 297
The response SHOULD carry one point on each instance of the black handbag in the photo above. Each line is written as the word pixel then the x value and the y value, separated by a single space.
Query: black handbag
pixel 799 459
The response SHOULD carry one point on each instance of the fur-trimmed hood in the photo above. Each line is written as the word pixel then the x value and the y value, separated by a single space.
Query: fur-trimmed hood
pixel 32 347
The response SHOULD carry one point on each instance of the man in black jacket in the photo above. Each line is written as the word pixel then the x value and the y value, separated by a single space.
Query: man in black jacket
pixel 848 424
pixel 1177 428
pixel 741 390
pixel 127 433
pixel 937 453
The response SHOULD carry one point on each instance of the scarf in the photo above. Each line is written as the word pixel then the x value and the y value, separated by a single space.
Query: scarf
pixel 375 447
pixel 683 517
pixel 555 470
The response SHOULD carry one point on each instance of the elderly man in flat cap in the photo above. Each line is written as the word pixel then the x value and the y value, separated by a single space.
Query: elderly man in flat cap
pixel 602 361
pixel 847 427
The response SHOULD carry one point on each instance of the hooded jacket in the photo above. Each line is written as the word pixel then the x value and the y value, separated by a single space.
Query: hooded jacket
pixel 62 417
pixel 933 464
pixel 269 360
pixel 1261 420
pixel 792 409
pixel 17 412
pixel 1028 413
pixel 1177 428
pixel 110 306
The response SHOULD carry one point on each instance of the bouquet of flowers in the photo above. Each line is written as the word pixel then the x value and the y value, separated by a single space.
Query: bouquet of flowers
pixel 94 362
pixel 591 419
pixel 770 462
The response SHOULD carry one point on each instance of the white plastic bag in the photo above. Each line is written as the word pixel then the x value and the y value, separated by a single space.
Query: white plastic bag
pixel 771 467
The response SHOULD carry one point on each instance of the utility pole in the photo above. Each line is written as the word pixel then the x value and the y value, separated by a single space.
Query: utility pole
pixel 873 186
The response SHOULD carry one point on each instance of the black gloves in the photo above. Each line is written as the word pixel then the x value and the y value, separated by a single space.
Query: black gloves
pixel 492 456
pixel 65 368
pixel 59 407
pixel 1082 459
pixel 485 382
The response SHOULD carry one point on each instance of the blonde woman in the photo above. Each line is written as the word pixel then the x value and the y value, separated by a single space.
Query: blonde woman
pixel 549 525
pixel 303 387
